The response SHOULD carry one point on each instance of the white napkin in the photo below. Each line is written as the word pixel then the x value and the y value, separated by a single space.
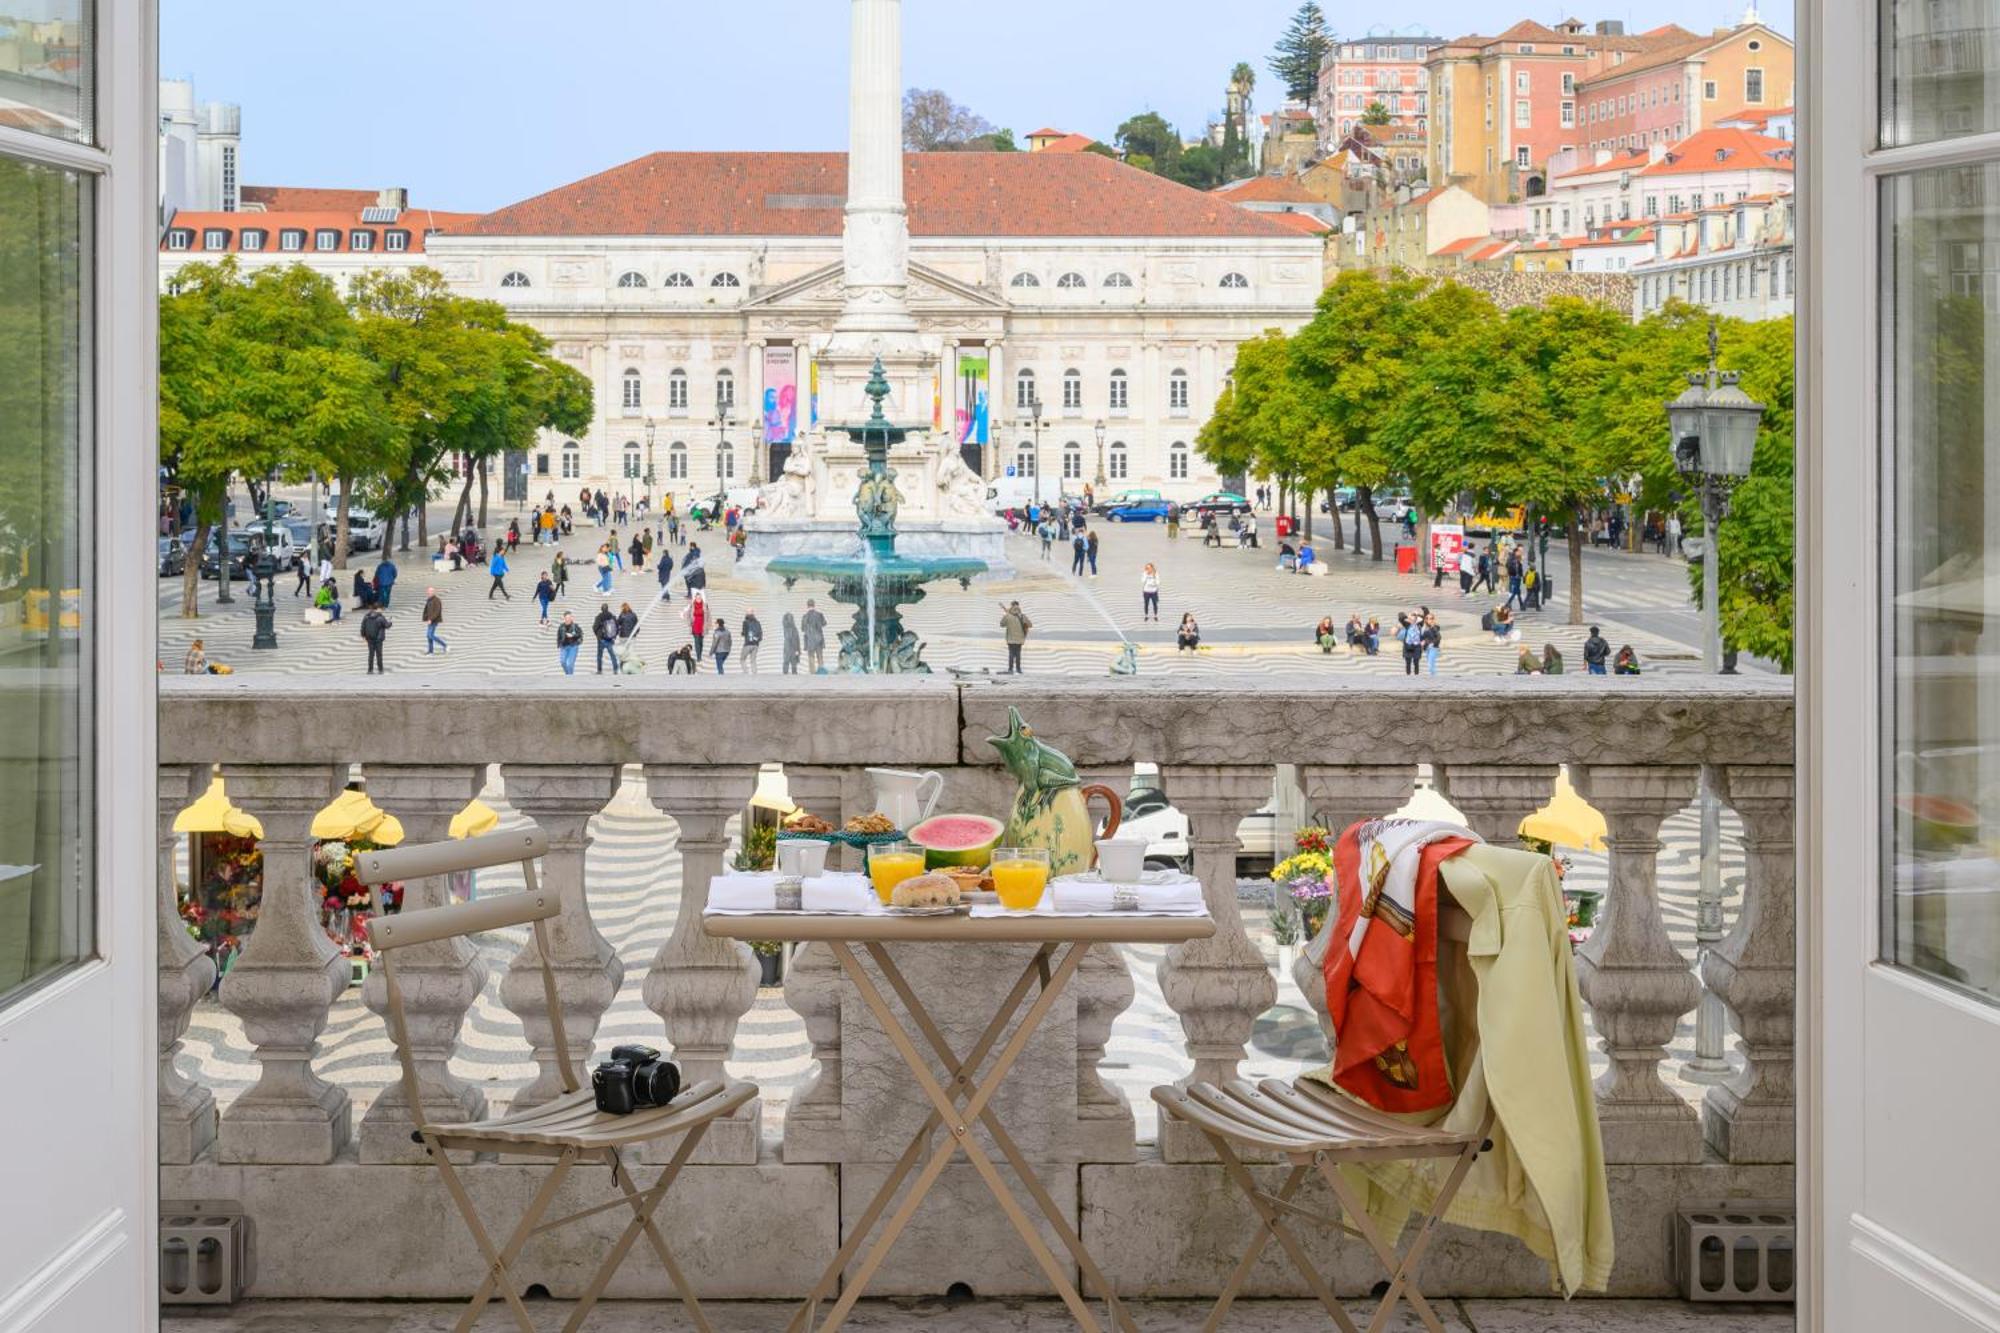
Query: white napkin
pixel 844 892
pixel 743 892
pixel 1076 895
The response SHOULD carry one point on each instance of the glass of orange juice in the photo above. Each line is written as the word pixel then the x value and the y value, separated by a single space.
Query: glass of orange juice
pixel 890 863
pixel 1020 876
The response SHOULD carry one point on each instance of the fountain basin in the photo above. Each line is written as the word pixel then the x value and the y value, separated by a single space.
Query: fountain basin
pixel 769 540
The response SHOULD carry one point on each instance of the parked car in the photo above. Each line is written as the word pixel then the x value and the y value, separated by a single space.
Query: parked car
pixel 1136 511
pixel 245 544
pixel 1105 504
pixel 1220 502
pixel 173 557
pixel 366 530
pixel 1148 815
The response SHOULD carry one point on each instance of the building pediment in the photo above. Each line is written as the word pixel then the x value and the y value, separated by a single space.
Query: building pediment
pixel 823 291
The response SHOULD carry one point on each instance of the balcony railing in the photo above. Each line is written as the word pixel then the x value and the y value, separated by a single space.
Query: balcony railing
pixel 290 1149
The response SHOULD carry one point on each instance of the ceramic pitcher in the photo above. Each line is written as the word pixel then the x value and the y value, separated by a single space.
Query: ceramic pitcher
pixel 899 794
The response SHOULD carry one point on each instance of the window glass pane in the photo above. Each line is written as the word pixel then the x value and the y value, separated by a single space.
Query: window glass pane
pixel 46 786
pixel 1938 79
pixel 1941 895
pixel 47 69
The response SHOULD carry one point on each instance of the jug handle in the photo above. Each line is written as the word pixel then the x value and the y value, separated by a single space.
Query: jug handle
pixel 1110 799
pixel 935 781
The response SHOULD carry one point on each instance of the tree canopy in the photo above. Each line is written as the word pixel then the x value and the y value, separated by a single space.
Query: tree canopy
pixel 933 122
pixel 1301 51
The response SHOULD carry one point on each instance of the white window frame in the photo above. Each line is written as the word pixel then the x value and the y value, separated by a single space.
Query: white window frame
pixel 361 240
pixel 1178 393
pixel 677 392
pixel 215 238
pixel 632 390
pixel 677 461
pixel 725 280
pixel 515 280
pixel 1072 461
pixel 250 240
pixel 725 389
pixel 1234 282
pixel 1177 461
pixel 292 239
pixel 1024 390
pixel 1119 467
pixel 631 279
pixel 1119 395
pixel 1072 392
pixel 572 461
pixel 320 236
pixel 677 279
pixel 1072 281
pixel 396 241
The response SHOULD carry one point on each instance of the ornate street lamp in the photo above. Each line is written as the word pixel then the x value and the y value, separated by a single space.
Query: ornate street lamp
pixel 266 606
pixel 1714 431
pixel 649 464
pixel 723 455
pixel 1100 456
pixel 757 450
pixel 1035 410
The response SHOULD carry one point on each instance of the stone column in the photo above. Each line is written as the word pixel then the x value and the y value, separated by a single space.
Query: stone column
pixel 1495 798
pixel 876 237
pixel 700 985
pixel 289 973
pixel 439 981
pixel 813 981
pixel 562 798
pixel 1636 982
pixel 184 973
pixel 1219 985
pixel 1750 1118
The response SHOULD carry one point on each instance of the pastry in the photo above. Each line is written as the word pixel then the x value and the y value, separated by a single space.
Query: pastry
pixel 802 822
pixel 932 890
pixel 875 823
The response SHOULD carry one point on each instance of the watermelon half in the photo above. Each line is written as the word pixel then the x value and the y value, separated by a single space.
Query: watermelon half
pixel 957 840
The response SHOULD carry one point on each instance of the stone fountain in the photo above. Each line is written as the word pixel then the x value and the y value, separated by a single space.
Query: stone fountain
pixel 880 583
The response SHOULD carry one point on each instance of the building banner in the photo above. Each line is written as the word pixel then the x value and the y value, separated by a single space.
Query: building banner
pixel 1447 541
pixel 973 407
pixel 812 376
pixel 781 395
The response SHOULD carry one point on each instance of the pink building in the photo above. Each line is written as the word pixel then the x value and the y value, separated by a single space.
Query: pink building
pixel 1384 67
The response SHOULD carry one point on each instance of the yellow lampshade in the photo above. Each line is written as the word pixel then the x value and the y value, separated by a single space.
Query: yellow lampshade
pixel 214 814
pixel 1567 820
pixel 352 817
pixel 475 820
pixel 773 791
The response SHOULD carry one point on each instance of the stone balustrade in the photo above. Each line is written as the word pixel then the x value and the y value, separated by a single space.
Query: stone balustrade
pixel 285 747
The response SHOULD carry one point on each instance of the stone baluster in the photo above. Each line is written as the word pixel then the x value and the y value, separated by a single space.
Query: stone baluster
pixel 1344 795
pixel 1219 985
pixel 185 972
pixel 439 981
pixel 699 984
pixel 1104 989
pixel 562 799
pixel 1495 798
pixel 1636 982
pixel 1750 1118
pixel 288 975
pixel 812 981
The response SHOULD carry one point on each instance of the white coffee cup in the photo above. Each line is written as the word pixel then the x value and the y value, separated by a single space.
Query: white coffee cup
pixel 804 858
pixel 1121 860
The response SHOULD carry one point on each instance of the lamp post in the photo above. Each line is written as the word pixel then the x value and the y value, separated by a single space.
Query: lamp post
pixel 723 457
pixel 1035 411
pixel 757 451
pixel 266 606
pixel 1100 456
pixel 1714 425
pixel 649 464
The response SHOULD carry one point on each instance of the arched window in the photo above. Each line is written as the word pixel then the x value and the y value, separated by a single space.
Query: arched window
pixel 1024 461
pixel 1120 461
pixel 632 279
pixel 725 461
pixel 725 280
pixel 1071 281
pixel 632 391
pixel 632 460
pixel 1121 392
pixel 1026 280
pixel 1177 392
pixel 1024 390
pixel 1072 391
pixel 1177 461
pixel 1072 461
pixel 515 279
pixel 677 461
pixel 725 390
pixel 1118 280
pixel 1234 281
pixel 678 280
pixel 677 392
pixel 572 460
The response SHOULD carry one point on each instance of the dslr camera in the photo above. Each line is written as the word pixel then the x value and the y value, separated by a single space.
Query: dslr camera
pixel 633 1077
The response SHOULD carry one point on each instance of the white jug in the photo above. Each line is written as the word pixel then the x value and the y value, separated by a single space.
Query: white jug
pixel 899 794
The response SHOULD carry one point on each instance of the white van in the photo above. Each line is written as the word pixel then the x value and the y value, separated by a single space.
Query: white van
pixel 1004 493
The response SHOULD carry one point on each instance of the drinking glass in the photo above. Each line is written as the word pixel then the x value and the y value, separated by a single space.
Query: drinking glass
pixel 890 863
pixel 1020 876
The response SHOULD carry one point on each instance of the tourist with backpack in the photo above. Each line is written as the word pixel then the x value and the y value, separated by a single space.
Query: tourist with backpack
pixel 375 629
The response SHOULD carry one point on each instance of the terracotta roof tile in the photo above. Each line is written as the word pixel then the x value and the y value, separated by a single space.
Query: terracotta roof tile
pixel 293 198
pixel 1267 190
pixel 416 221
pixel 1308 223
pixel 1070 143
pixel 1460 247
pixel 802 194
pixel 1744 151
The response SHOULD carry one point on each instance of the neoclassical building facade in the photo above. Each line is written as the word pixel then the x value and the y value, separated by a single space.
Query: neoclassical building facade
pixel 695 288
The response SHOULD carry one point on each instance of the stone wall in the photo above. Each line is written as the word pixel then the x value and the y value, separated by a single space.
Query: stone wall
pixel 1510 289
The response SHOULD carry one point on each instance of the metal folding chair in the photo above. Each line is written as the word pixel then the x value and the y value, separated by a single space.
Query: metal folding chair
pixel 1314 1128
pixel 570 1130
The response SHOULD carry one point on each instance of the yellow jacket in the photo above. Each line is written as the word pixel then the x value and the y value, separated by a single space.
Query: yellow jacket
pixel 1544 1180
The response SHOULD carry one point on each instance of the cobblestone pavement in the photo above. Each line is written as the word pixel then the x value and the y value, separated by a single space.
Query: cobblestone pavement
pixel 634 877
pixel 1254 619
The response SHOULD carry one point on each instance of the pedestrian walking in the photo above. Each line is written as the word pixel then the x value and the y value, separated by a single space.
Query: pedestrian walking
pixel 513 534
pixel 1090 549
pixel 1014 625
pixel 375 629
pixel 1149 593
pixel 545 593
pixel 1411 633
pixel 302 566
pixel 1596 653
pixel 497 567
pixel 433 619
pixel 637 550
pixel 694 572
pixel 812 628
pixel 1433 642
pixel 569 639
pixel 628 625
pixel 788 662
pixel 1516 574
pixel 603 568
pixel 535 526
pixel 720 646
pixel 664 568
pixel 753 639
pixel 1047 532
pixel 1672 545
pixel 605 630
pixel 697 618
pixel 1468 568
pixel 385 580
pixel 1077 548
pixel 1484 577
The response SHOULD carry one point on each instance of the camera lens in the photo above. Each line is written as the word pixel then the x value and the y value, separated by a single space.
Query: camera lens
pixel 656 1082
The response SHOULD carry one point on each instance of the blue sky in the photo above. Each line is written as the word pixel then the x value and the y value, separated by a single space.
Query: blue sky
pixel 473 104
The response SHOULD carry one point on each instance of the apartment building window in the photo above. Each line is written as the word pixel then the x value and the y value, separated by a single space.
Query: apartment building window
pixel 361 240
pixel 677 392
pixel 1523 158
pixel 725 390
pixel 1177 461
pixel 1119 462
pixel 1024 391
pixel 1521 84
pixel 1569 115
pixel 677 461
pixel 1072 461
pixel 229 197
pixel 1177 392
pixel 1569 84
pixel 326 239
pixel 1753 86
pixel 396 241
pixel 250 238
pixel 572 461
pixel 291 238
pixel 1121 392
pixel 632 391
pixel 1708 91
pixel 215 238
pixel 1523 113
pixel 1072 391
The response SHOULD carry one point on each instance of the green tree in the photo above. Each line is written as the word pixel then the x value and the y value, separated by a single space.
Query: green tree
pixel 1200 167
pixel 1301 51
pixel 1376 114
pixel 932 122
pixel 1147 136
pixel 999 141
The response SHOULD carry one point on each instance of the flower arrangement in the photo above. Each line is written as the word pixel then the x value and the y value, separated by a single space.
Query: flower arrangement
pixel 345 902
pixel 221 908
pixel 1307 876
pixel 1314 899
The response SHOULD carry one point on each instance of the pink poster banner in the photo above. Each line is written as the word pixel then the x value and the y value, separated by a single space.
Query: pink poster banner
pixel 781 395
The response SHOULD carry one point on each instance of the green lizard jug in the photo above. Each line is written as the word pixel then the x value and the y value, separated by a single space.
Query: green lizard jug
pixel 1050 808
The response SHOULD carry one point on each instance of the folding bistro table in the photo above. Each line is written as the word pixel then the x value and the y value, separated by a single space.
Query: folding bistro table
pixel 961 1096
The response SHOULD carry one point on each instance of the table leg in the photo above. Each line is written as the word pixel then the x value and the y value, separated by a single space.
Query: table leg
pixel 1001 1138
pixel 957 1122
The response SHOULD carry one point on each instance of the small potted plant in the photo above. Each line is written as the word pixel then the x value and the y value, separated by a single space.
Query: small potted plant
pixel 759 852
pixel 771 959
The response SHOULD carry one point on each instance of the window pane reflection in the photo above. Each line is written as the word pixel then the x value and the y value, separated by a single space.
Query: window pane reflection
pixel 46 68
pixel 46 784
pixel 1941 270
pixel 1940 69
